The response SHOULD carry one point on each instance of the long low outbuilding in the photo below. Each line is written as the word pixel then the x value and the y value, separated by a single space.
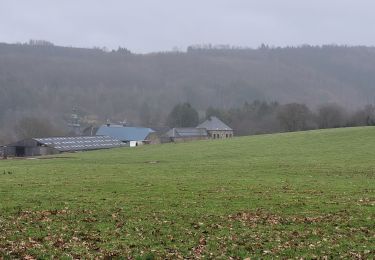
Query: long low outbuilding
pixel 187 134
pixel 56 145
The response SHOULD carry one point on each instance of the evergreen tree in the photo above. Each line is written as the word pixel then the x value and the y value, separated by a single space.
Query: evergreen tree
pixel 183 115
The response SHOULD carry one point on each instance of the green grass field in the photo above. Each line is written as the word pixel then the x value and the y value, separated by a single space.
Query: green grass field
pixel 306 194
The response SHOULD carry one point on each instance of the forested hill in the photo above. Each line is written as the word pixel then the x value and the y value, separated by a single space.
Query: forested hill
pixel 48 80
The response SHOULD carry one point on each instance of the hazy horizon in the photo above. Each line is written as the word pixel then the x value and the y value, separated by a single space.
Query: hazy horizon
pixel 147 26
pixel 173 49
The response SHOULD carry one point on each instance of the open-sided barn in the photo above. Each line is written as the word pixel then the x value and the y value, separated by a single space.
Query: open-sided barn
pixel 55 145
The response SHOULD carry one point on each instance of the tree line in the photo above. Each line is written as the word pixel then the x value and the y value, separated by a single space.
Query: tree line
pixel 257 117
pixel 262 117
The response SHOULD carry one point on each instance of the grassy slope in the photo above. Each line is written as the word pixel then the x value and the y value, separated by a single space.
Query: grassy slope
pixel 298 194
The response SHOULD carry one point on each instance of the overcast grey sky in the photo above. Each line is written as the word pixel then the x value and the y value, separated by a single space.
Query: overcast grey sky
pixel 157 25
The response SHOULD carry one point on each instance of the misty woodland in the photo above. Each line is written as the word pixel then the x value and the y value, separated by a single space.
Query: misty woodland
pixel 263 90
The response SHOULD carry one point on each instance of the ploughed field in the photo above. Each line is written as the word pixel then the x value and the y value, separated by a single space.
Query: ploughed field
pixel 307 194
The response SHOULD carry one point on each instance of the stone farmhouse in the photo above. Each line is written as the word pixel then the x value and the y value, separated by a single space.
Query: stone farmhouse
pixel 216 129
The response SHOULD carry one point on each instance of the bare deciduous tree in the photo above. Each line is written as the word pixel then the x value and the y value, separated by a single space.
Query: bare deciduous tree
pixel 294 117
pixel 363 117
pixel 29 127
pixel 331 116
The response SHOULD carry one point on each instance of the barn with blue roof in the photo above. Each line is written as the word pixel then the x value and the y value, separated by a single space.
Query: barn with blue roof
pixel 127 134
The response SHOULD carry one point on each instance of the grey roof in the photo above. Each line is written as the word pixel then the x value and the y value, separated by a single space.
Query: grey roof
pixel 160 130
pixel 187 132
pixel 80 143
pixel 214 123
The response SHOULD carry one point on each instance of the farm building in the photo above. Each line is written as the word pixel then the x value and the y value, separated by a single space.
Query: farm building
pixel 134 136
pixel 212 128
pixel 157 138
pixel 187 134
pixel 216 129
pixel 3 154
pixel 55 145
pixel 90 130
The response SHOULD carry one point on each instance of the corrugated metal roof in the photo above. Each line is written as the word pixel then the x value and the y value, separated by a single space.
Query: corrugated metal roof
pixel 80 143
pixel 186 132
pixel 214 123
pixel 125 133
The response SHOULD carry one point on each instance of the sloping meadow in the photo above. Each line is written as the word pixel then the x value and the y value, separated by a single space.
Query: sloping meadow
pixel 307 194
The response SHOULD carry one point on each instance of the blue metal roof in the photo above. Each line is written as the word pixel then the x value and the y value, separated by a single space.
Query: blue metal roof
pixel 125 133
